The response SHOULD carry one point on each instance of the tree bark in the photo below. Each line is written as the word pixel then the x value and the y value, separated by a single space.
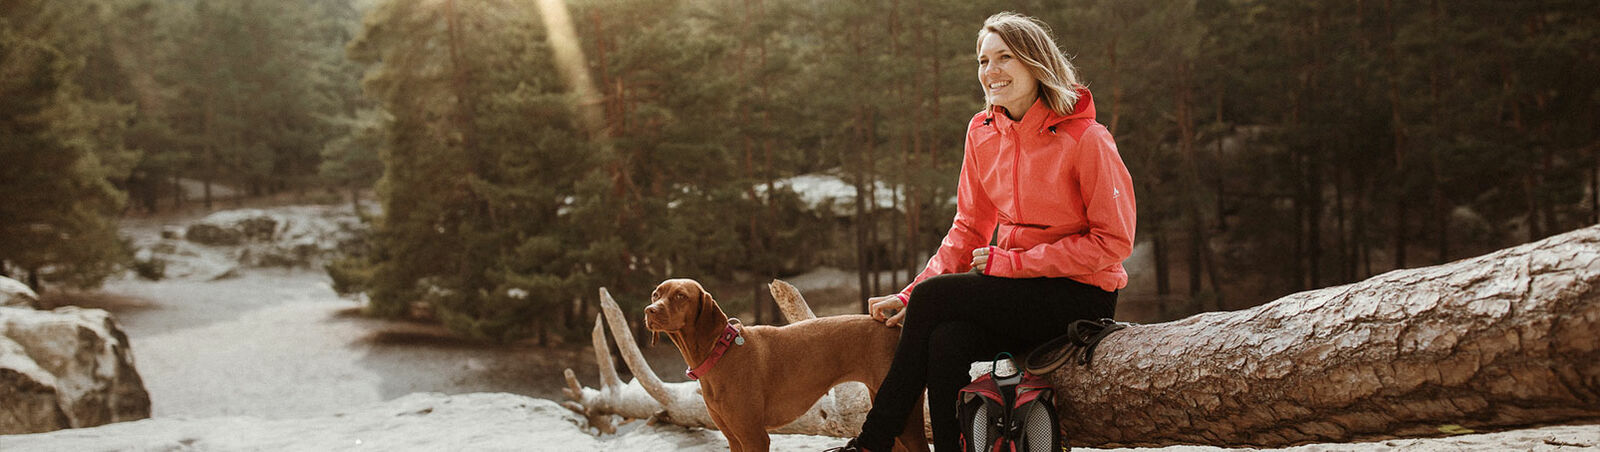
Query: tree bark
pixel 1502 340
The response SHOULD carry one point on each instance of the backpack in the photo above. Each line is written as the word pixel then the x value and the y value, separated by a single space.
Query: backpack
pixel 1010 412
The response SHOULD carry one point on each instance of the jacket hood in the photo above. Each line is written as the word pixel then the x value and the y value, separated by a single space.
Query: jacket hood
pixel 1042 117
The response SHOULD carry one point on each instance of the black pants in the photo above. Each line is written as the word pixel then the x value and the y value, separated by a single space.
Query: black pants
pixel 956 319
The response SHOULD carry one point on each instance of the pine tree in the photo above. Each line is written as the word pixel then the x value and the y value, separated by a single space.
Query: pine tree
pixel 62 151
pixel 479 158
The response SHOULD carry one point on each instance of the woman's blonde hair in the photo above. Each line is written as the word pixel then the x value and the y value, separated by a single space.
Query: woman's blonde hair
pixel 1029 39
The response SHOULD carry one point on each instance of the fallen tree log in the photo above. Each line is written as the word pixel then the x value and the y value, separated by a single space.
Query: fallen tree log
pixel 1509 339
pixel 1504 340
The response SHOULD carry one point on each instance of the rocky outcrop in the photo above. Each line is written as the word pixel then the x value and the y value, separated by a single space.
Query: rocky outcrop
pixel 220 244
pixel 14 293
pixel 66 368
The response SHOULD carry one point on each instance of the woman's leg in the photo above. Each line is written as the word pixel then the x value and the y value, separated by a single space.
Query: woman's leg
pixel 1009 314
pixel 954 345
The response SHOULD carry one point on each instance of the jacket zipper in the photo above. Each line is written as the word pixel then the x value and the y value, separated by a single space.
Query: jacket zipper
pixel 1016 187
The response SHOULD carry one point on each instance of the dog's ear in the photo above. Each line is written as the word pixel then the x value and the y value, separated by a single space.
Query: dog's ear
pixel 708 308
pixel 705 308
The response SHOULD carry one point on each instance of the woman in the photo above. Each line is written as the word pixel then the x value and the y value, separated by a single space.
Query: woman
pixel 1037 165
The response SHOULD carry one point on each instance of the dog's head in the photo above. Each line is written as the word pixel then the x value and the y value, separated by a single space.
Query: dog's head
pixel 679 303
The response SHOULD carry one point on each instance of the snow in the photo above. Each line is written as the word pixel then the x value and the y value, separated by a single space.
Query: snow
pixel 499 421
pixel 302 235
pixel 281 344
pixel 815 190
pixel 421 422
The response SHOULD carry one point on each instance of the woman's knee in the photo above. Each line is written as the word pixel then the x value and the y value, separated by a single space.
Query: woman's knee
pixel 942 289
pixel 953 346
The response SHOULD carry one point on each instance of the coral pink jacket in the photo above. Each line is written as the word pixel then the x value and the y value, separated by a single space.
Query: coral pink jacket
pixel 1056 187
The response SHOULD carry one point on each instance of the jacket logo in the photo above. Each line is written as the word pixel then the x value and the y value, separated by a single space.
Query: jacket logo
pixel 1115 193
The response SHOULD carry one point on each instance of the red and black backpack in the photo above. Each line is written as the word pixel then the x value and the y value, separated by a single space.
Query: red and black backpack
pixel 1010 412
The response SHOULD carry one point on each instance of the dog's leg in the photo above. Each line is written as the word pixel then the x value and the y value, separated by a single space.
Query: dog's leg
pixel 749 435
pixel 755 441
pixel 734 445
pixel 912 437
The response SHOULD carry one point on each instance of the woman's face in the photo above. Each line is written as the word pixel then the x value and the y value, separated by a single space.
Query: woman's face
pixel 1005 78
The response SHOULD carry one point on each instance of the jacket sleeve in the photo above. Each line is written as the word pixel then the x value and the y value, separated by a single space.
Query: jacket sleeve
pixel 972 228
pixel 1107 191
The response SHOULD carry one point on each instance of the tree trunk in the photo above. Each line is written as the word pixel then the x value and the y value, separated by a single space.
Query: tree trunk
pixel 355 202
pixel 1163 273
pixel 1594 184
pixel 33 281
pixel 1499 341
pixel 208 187
pixel 178 192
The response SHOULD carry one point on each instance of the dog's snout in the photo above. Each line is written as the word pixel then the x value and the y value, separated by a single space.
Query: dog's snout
pixel 652 309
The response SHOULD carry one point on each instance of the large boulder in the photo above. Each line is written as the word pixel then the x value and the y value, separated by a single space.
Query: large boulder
pixel 16 294
pixel 214 235
pixel 235 227
pixel 66 368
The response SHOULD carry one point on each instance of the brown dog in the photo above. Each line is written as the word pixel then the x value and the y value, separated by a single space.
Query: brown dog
pixel 777 372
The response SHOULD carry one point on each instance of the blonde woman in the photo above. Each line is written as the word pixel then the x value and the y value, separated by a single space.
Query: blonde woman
pixel 1038 167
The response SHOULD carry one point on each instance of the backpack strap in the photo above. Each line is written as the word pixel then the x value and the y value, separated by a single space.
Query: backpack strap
pixel 1077 345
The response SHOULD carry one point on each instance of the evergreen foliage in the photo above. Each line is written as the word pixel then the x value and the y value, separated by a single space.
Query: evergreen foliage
pixel 61 150
pixel 1260 134
pixel 480 156
pixel 1276 146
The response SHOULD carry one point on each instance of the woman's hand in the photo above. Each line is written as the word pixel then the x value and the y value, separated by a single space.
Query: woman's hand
pixel 980 260
pixel 887 309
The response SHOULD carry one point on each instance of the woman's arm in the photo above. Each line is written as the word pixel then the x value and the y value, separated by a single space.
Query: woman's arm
pixel 1108 197
pixel 972 227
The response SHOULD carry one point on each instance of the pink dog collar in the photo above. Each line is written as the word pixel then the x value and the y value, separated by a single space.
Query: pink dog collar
pixel 730 336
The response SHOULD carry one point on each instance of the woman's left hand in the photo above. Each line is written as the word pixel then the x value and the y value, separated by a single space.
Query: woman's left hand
pixel 980 260
pixel 887 309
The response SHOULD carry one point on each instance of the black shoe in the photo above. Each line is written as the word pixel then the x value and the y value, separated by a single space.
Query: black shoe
pixel 847 447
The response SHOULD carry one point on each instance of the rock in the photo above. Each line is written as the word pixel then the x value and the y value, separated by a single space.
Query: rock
pixel 234 227
pixel 28 392
pixel 16 294
pixel 230 273
pixel 258 228
pixel 66 368
pixel 285 237
pixel 171 232
pixel 214 235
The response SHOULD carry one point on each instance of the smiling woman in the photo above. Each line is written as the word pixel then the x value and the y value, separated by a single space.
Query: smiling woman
pixel 1045 179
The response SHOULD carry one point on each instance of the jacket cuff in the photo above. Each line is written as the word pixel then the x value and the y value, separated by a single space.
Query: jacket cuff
pixel 1002 263
pixel 904 300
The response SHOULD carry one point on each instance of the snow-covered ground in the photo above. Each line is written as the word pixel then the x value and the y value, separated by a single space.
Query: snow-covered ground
pixel 281 344
pixel 484 421
pixel 272 359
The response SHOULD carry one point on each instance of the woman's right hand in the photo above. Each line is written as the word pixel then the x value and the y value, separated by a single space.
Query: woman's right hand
pixel 887 309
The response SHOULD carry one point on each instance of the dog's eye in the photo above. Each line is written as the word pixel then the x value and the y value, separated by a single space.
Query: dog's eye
pixel 677 296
